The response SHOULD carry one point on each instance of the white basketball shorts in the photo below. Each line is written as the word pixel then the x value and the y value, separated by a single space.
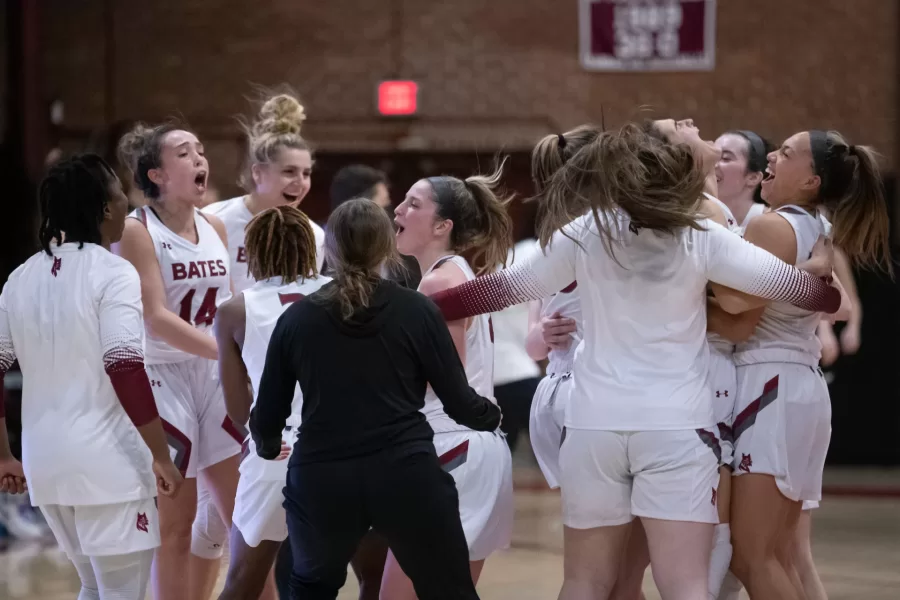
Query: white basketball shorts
pixel 548 413
pixel 723 383
pixel 192 408
pixel 104 529
pixel 481 465
pixel 782 426
pixel 610 477
pixel 259 504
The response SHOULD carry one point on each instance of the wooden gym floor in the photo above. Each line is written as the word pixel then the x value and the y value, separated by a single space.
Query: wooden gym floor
pixel 856 546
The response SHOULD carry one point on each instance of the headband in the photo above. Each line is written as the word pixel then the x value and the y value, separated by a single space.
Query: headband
pixel 442 190
pixel 818 145
pixel 757 145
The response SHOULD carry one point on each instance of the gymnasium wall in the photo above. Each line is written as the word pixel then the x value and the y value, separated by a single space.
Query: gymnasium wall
pixel 492 74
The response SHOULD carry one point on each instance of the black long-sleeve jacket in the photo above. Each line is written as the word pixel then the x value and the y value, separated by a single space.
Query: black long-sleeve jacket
pixel 363 379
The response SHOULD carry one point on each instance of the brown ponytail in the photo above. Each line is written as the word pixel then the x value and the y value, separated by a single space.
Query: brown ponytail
pixel 141 150
pixel 852 192
pixel 552 152
pixel 658 184
pixel 481 223
pixel 358 241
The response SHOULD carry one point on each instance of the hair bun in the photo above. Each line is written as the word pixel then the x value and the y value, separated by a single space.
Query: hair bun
pixel 279 115
pixel 133 144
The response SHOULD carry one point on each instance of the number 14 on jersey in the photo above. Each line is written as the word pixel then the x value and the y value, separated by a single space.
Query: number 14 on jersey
pixel 206 312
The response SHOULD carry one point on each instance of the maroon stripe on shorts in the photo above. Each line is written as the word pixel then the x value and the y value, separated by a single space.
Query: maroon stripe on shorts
pixel 747 417
pixel 180 443
pixel 455 457
pixel 709 438
pixel 238 432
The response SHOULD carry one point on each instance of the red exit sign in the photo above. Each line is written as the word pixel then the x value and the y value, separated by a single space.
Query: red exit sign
pixel 398 98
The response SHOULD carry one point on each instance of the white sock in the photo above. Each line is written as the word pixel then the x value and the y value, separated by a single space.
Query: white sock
pixel 731 588
pixel 720 559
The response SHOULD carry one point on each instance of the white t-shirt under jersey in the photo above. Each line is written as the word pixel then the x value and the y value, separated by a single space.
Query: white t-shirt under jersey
pixel 195 278
pixel 264 302
pixel 479 362
pixel 65 318
pixel 236 216
pixel 785 333
pixel 644 359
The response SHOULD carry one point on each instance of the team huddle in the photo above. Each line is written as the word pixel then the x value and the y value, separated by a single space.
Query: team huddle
pixel 678 314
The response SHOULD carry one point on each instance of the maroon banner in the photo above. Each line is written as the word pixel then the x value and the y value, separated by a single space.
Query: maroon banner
pixel 647 35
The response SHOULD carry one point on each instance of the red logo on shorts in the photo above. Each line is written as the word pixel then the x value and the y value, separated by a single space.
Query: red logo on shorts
pixel 142 522
pixel 57 264
pixel 715 495
pixel 746 463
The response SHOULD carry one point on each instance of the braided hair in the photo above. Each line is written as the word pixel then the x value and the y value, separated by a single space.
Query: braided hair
pixel 280 242
pixel 73 197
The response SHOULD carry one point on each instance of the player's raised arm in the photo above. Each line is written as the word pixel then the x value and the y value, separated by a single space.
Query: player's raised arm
pixel 539 276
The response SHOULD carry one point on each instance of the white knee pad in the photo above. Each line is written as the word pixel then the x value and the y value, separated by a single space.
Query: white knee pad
pixel 123 576
pixel 90 589
pixel 731 588
pixel 209 531
pixel 720 559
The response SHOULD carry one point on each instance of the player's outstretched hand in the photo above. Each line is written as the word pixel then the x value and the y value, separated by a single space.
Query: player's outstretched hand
pixel 12 477
pixel 168 478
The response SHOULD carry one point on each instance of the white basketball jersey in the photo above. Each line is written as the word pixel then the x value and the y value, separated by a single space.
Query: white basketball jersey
pixel 195 277
pixel 264 302
pixel 479 359
pixel 755 210
pixel 786 333
pixel 715 340
pixel 568 305
pixel 235 215
pixel 66 318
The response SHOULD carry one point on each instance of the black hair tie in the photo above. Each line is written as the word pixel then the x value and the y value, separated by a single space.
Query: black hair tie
pixel 561 143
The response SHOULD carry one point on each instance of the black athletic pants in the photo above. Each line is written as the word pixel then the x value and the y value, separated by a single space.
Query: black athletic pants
pixel 514 399
pixel 404 494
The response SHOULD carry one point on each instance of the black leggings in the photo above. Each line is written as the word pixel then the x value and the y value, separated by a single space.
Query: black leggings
pixel 401 492
pixel 367 563
pixel 515 399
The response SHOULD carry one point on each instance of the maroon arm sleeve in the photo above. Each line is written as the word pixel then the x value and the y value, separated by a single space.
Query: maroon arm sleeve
pixel 125 368
pixel 122 338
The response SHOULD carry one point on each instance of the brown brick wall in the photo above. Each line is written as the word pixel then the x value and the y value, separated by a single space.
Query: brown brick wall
pixel 493 73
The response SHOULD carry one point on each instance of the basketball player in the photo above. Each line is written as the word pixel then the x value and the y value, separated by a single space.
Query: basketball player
pixel 279 170
pixel 281 256
pixel 94 448
pixel 640 394
pixel 782 449
pixel 739 173
pixel 554 323
pixel 181 256
pixel 440 218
